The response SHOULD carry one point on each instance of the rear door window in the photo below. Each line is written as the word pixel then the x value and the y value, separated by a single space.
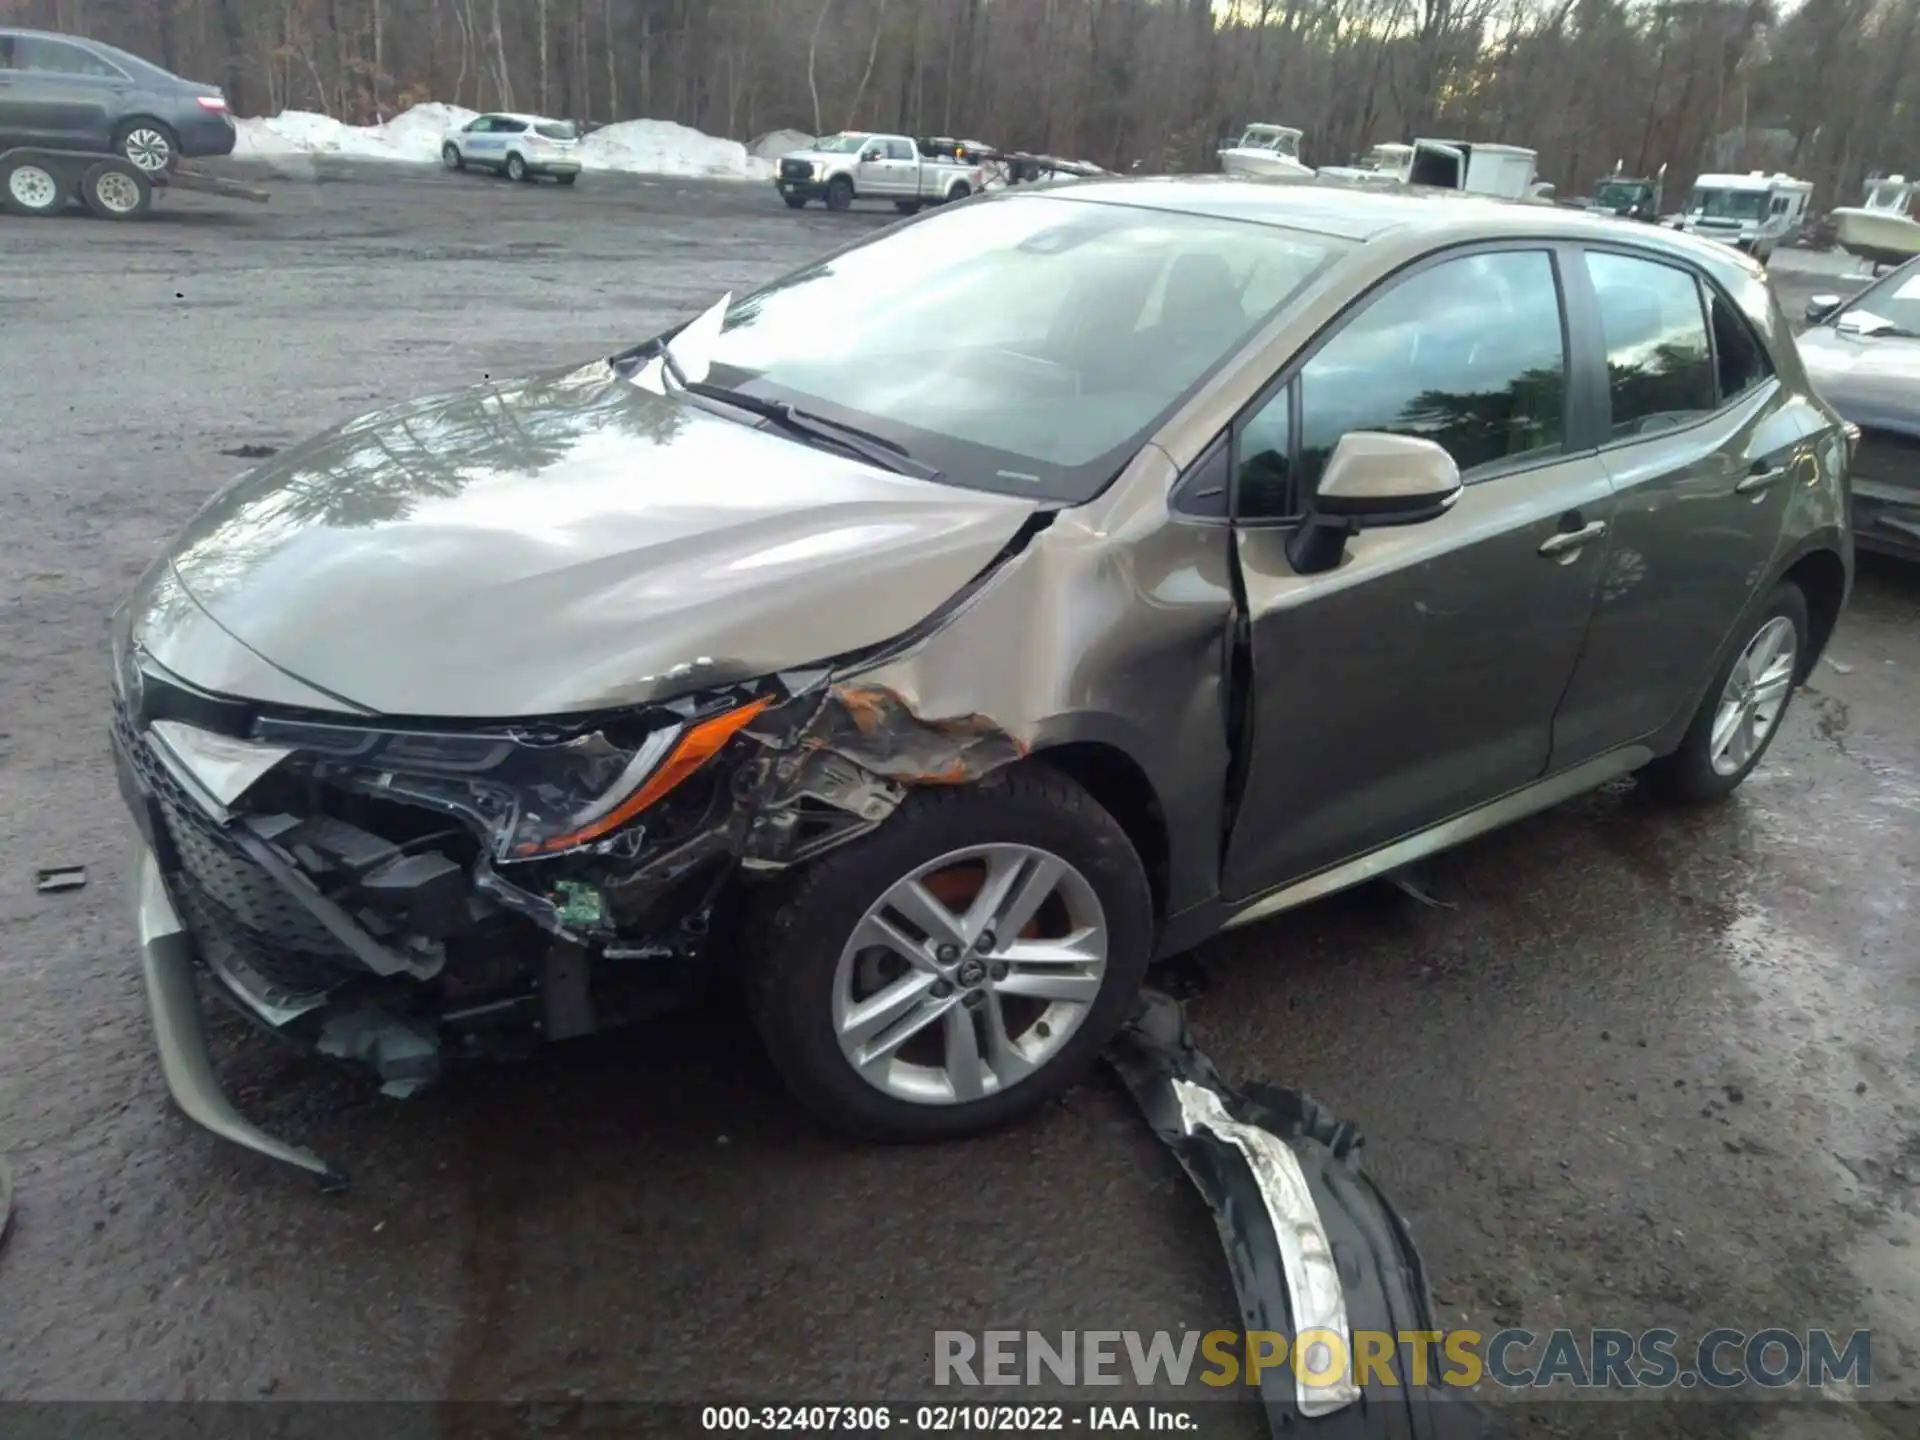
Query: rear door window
pixel 1660 371
pixel 899 150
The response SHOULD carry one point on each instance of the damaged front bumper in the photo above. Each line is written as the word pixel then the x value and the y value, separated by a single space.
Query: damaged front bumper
pixel 397 896
pixel 167 964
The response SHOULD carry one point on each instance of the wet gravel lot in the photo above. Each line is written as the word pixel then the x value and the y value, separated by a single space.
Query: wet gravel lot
pixel 1654 1069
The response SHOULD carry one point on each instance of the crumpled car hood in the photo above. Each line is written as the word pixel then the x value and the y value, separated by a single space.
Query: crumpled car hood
pixel 1874 382
pixel 555 544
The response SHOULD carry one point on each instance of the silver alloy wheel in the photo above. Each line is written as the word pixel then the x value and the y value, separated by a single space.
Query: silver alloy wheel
pixel 938 1005
pixel 117 192
pixel 33 187
pixel 149 149
pixel 449 156
pixel 1755 696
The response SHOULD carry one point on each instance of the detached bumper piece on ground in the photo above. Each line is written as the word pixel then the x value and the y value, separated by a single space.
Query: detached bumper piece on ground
pixel 1311 1241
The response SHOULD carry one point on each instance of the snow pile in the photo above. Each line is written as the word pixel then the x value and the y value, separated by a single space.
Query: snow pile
pixel 775 143
pixel 414 135
pixel 660 147
pixel 639 147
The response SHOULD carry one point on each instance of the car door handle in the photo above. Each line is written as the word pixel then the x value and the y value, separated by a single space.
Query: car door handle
pixel 1573 539
pixel 1760 479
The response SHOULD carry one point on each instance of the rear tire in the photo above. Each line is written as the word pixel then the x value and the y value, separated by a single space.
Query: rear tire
pixel 1703 769
pixel 112 194
pixel 149 144
pixel 907 207
pixel 566 179
pixel 839 193
pixel 30 188
pixel 959 192
pixel 803 970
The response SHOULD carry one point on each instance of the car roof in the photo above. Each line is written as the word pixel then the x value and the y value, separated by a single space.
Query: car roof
pixel 521 116
pixel 1363 213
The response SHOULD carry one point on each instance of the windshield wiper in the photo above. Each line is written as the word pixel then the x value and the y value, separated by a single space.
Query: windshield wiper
pixel 876 449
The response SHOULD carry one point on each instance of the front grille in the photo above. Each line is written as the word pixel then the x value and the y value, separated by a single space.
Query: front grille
pixel 796 170
pixel 227 901
pixel 1888 458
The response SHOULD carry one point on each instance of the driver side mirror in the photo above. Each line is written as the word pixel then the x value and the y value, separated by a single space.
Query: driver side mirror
pixel 868 156
pixel 1372 479
pixel 1820 307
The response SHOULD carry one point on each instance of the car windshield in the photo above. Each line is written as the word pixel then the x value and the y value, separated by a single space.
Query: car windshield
pixel 839 144
pixel 1895 299
pixel 1621 192
pixel 1023 344
pixel 1728 204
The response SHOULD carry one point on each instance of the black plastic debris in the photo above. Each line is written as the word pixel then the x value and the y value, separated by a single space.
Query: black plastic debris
pixel 60 877
pixel 1311 1241
pixel 6 1200
pixel 251 452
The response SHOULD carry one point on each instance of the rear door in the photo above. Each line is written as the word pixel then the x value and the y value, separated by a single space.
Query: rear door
pixel 17 125
pixel 1703 444
pixel 71 92
pixel 903 167
pixel 1418 678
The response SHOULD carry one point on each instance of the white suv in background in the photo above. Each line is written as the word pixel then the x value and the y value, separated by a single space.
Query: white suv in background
pixel 519 146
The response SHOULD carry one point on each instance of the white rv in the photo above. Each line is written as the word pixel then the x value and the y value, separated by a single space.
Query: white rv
pixel 1755 212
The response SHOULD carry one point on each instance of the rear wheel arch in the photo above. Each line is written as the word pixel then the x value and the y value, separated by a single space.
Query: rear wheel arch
pixel 1822 578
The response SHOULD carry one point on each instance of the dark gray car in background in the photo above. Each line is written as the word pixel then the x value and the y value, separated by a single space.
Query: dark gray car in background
pixel 1863 355
pixel 64 92
pixel 944 661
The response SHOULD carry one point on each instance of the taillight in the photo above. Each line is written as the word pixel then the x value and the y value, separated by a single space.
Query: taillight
pixel 212 102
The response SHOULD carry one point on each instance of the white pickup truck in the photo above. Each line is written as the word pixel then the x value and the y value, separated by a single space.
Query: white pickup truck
pixel 854 165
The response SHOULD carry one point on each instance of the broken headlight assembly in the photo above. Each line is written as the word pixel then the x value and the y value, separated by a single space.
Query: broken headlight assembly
pixel 536 791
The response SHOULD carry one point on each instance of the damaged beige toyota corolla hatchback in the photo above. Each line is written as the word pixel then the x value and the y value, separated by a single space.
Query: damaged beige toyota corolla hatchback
pixel 952 626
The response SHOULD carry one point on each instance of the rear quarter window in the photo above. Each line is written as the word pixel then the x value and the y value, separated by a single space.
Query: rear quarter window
pixel 559 130
pixel 1660 370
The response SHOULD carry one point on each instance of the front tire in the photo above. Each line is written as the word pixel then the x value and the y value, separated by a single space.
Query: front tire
pixel 1744 706
pixel 450 157
pixel 889 997
pixel 517 168
pixel 839 193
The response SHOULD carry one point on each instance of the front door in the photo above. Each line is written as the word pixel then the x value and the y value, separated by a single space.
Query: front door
pixel 1418 678
pixel 1705 446
pixel 876 175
